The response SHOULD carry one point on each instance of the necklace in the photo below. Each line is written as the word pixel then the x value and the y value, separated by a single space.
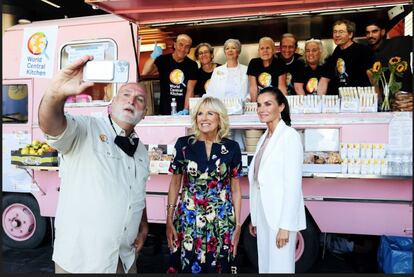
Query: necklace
pixel 291 61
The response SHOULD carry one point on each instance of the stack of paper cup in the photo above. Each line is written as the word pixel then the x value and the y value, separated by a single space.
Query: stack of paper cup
pixel 252 137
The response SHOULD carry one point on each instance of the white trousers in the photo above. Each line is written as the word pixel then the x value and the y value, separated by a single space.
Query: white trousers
pixel 271 258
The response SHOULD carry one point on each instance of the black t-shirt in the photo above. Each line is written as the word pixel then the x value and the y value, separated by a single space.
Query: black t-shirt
pixel 265 76
pixel 348 67
pixel 401 47
pixel 173 80
pixel 203 79
pixel 291 68
pixel 309 78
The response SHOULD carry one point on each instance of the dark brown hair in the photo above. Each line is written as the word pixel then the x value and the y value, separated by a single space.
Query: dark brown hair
pixel 280 99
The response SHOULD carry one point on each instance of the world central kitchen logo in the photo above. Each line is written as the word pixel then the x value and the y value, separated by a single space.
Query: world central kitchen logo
pixel 37 45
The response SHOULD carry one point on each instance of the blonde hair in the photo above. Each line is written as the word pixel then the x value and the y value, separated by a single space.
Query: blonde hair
pixel 323 52
pixel 269 40
pixel 215 105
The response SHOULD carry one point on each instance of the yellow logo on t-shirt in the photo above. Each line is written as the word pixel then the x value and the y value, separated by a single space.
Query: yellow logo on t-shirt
pixel 340 66
pixel 265 79
pixel 176 76
pixel 312 85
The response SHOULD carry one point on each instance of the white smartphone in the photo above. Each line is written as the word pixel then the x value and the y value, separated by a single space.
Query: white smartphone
pixel 106 71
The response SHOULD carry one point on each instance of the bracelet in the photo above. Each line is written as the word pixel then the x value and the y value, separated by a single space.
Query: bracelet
pixel 171 206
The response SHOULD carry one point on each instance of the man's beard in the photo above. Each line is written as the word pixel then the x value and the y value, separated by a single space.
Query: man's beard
pixel 121 114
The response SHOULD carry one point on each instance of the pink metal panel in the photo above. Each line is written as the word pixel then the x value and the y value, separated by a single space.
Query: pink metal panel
pixel 156 208
pixel 164 135
pixel 362 218
pixel 364 133
pixel 49 182
pixel 359 188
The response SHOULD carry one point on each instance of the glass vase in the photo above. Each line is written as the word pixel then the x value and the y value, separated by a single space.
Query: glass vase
pixel 385 106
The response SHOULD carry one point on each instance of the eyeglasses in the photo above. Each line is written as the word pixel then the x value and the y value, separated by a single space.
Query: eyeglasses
pixel 203 53
pixel 288 47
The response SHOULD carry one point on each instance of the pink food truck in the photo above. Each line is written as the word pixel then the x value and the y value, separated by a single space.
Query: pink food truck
pixel 356 174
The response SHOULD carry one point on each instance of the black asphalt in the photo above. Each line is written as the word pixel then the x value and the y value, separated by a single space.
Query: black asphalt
pixel 154 258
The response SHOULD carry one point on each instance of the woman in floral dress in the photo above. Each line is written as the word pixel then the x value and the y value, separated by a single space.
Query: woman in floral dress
pixel 203 228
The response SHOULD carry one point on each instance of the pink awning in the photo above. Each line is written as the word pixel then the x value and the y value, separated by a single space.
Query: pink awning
pixel 159 11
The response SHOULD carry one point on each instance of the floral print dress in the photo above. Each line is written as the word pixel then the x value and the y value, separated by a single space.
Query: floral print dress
pixel 204 218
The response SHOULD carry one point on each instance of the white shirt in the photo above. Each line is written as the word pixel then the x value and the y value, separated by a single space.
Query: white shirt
pixel 102 197
pixel 229 82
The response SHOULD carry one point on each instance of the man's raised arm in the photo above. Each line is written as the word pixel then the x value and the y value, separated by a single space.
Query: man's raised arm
pixel 67 82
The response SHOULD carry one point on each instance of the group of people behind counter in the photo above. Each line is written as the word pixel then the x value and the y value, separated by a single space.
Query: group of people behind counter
pixel 287 70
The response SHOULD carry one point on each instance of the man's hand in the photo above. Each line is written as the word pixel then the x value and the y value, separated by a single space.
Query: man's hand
pixel 68 81
pixel 156 52
pixel 183 112
pixel 142 236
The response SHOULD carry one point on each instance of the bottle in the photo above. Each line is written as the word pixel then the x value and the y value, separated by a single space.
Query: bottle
pixel 391 164
pixel 173 107
pixel 405 171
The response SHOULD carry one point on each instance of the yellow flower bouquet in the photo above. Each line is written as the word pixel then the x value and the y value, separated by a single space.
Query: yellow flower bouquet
pixel 396 67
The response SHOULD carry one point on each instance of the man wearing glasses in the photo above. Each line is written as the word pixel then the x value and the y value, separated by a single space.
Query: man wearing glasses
pixel 348 64
pixel 288 60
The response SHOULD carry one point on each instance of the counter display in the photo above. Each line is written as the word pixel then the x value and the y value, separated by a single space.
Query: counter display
pixel 353 197
pixel 337 201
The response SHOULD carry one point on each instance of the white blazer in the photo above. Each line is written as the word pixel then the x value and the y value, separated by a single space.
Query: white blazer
pixel 280 179
pixel 220 79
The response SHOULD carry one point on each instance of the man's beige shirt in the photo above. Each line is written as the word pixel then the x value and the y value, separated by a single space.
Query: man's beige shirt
pixel 102 197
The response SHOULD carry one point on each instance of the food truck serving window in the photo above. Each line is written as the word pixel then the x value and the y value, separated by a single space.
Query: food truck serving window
pixel 101 50
pixel 15 103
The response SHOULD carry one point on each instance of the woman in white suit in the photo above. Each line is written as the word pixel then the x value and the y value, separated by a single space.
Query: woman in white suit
pixel 275 175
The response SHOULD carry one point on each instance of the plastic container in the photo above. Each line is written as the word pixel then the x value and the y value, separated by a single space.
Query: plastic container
pixel 344 166
pixel 343 151
pixel 368 151
pixel 384 167
pixel 71 99
pixel 405 163
pixel 83 98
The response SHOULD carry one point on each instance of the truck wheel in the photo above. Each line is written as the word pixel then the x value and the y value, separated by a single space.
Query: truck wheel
pixel 307 247
pixel 250 246
pixel 23 227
